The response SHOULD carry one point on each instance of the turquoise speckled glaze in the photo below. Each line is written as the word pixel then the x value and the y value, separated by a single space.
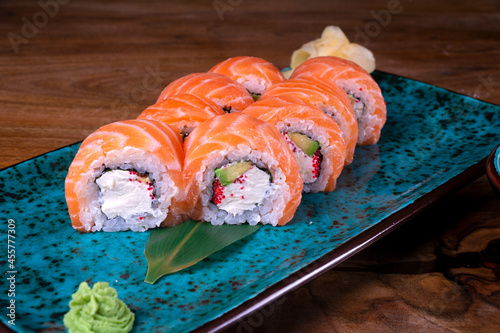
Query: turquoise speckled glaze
pixel 431 136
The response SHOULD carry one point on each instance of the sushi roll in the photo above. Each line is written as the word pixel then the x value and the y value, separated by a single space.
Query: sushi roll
pixel 184 111
pixel 314 138
pixel 126 175
pixel 365 94
pixel 332 100
pixel 253 73
pixel 239 169
pixel 222 90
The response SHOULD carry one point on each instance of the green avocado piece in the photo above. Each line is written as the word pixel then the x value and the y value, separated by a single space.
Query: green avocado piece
pixel 255 96
pixel 352 99
pixel 305 143
pixel 230 172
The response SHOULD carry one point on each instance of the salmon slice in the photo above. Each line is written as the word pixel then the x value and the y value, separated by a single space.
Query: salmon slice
pixel 113 144
pixel 332 100
pixel 229 95
pixel 253 73
pixel 184 111
pixel 366 96
pixel 239 134
pixel 290 114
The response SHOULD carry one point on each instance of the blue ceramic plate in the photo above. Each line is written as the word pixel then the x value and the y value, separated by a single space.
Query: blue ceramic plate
pixel 431 136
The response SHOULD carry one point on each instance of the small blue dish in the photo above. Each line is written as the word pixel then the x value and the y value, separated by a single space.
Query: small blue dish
pixel 493 170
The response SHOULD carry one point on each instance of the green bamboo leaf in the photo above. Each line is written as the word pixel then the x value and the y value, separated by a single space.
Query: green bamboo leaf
pixel 172 249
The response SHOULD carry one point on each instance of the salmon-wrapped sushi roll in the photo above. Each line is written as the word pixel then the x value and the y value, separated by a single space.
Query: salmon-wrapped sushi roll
pixel 314 138
pixel 239 169
pixel 253 73
pixel 225 92
pixel 183 111
pixel 365 94
pixel 332 100
pixel 126 175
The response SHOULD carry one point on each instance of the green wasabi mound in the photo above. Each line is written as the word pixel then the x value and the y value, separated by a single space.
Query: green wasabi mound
pixel 98 310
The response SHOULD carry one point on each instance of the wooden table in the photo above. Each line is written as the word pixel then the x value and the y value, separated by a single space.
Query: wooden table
pixel 68 67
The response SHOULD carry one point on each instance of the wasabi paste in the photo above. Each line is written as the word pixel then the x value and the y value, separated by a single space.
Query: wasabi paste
pixel 98 310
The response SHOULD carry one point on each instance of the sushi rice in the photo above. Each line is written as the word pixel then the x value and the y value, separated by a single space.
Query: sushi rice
pixel 267 212
pixel 127 159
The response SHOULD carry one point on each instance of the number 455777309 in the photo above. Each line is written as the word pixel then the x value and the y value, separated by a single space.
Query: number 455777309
pixel 11 244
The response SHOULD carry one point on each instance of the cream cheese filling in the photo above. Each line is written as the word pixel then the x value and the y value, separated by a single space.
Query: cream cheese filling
pixel 126 193
pixel 305 162
pixel 245 192
pixel 357 106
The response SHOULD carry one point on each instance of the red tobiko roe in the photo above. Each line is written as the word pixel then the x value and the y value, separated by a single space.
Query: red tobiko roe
pixel 218 192
pixel 316 163
pixel 219 189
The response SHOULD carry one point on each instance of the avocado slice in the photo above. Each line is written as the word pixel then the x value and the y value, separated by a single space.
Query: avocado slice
pixel 230 172
pixel 352 99
pixel 305 143
pixel 255 96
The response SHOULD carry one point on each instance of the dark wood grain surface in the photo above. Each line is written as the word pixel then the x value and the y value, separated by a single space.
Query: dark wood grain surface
pixel 70 66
